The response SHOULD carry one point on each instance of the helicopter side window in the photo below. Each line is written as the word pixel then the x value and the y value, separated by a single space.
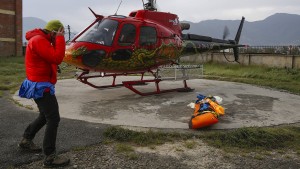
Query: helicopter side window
pixel 127 35
pixel 147 36
pixel 101 32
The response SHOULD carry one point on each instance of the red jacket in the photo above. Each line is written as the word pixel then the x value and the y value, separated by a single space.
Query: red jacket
pixel 42 57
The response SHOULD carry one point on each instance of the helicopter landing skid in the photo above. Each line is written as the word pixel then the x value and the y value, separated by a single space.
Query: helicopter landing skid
pixel 83 77
pixel 130 85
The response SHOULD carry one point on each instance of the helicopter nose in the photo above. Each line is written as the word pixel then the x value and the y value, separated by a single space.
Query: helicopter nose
pixel 93 58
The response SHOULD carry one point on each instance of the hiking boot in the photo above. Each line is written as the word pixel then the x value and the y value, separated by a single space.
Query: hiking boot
pixel 53 161
pixel 28 145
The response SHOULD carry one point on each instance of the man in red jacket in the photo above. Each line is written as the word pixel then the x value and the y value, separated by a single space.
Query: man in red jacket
pixel 44 52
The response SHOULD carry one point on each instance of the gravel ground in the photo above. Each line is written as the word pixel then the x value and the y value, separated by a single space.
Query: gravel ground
pixel 173 155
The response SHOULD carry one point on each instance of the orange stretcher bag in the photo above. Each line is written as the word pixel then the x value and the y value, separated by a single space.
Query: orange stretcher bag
pixel 203 120
pixel 206 118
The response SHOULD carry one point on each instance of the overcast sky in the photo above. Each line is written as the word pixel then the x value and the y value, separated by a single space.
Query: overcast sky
pixel 76 13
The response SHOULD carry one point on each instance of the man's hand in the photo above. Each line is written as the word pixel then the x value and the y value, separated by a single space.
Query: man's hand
pixel 61 31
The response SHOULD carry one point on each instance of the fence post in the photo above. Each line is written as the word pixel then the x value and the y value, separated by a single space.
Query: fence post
pixel 24 48
pixel 293 61
pixel 249 59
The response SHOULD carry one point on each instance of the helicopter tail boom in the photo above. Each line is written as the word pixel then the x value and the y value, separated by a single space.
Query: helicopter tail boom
pixel 198 43
pixel 237 39
pixel 239 32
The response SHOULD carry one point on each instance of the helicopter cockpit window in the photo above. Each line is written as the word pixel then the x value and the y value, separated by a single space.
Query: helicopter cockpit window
pixel 101 32
pixel 147 36
pixel 127 35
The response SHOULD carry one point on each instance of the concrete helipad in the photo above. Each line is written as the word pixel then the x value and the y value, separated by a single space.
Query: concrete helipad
pixel 245 105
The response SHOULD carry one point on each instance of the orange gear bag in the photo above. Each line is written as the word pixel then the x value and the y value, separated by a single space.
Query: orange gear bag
pixel 204 119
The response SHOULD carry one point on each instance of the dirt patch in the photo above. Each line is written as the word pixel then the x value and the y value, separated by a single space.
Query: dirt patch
pixel 191 154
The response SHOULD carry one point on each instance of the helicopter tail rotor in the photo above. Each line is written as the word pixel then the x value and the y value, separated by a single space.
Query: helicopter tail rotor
pixel 225 32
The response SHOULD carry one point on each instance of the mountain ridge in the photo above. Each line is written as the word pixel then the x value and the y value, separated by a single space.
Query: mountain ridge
pixel 30 23
pixel 277 29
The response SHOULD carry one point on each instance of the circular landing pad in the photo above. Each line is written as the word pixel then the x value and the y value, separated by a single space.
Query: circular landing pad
pixel 245 105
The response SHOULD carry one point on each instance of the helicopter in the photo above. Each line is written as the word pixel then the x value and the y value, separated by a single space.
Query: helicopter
pixel 139 43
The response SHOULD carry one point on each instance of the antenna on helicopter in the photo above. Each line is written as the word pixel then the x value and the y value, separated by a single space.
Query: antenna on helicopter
pixel 150 5
pixel 118 7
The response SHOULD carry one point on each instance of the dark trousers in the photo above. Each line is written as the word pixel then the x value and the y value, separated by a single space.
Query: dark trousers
pixel 49 115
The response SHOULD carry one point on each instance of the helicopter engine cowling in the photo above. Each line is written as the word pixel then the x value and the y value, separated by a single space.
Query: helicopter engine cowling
pixel 185 26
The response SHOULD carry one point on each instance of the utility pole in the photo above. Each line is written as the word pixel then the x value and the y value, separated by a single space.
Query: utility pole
pixel 69 32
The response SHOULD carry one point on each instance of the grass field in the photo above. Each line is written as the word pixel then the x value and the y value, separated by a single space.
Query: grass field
pixel 256 139
pixel 279 78
pixel 267 138
pixel 12 73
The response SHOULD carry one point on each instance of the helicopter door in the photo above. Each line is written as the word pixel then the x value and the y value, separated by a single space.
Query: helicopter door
pixel 126 42
pixel 148 37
